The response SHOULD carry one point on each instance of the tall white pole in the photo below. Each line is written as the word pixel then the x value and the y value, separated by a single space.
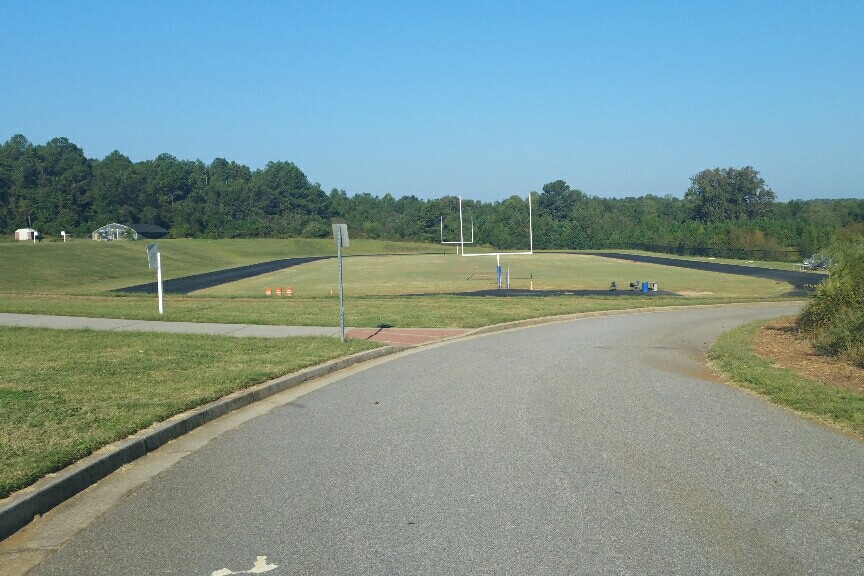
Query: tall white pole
pixel 159 279
pixel 461 228
pixel 530 226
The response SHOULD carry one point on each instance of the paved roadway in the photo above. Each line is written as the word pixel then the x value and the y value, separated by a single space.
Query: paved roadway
pixel 598 446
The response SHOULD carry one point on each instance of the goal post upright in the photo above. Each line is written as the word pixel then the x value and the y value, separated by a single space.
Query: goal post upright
pixel 461 242
pixel 461 227
pixel 499 254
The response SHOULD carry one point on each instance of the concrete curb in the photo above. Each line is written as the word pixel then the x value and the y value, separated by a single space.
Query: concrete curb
pixel 22 507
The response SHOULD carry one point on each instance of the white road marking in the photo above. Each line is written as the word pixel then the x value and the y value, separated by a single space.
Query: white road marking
pixel 259 567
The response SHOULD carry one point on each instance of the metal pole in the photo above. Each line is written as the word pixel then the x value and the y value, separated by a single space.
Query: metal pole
pixel 159 279
pixel 341 302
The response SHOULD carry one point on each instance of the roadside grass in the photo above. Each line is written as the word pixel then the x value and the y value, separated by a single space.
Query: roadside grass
pixel 431 311
pixel 733 356
pixel 436 273
pixel 66 393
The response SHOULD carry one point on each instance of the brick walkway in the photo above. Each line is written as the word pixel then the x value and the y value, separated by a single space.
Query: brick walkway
pixel 404 336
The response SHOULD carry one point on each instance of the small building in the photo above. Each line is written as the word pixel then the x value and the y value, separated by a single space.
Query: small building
pixel 111 231
pixel 149 231
pixel 116 231
pixel 27 234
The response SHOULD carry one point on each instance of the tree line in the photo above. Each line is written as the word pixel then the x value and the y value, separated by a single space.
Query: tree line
pixel 725 212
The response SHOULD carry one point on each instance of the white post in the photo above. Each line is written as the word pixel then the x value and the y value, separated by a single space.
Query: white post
pixel 530 225
pixel 159 280
pixel 461 228
pixel 341 301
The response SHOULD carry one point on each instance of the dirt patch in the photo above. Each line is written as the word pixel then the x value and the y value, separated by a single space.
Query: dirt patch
pixel 780 343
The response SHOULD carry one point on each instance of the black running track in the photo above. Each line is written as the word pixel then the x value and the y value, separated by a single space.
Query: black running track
pixel 188 284
pixel 802 282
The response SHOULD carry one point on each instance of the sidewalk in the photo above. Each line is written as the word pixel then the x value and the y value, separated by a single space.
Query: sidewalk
pixel 397 336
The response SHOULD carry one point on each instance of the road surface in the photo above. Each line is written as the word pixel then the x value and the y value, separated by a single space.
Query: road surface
pixel 598 446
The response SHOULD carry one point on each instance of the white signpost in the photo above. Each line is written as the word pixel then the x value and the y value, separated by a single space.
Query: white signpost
pixel 340 234
pixel 154 258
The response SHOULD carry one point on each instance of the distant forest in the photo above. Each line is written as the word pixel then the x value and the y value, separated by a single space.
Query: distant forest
pixel 725 212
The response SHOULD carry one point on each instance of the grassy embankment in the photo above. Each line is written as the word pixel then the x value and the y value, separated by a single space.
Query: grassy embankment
pixel 834 315
pixel 76 279
pixel 733 355
pixel 66 393
pixel 833 318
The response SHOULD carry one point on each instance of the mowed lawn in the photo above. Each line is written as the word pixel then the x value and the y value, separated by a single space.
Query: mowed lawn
pixel 436 273
pixel 76 279
pixel 66 393
pixel 84 266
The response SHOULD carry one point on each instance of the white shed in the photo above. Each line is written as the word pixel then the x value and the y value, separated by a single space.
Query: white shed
pixel 26 234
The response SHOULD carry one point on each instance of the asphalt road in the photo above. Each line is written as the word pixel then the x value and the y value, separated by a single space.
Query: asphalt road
pixel 598 446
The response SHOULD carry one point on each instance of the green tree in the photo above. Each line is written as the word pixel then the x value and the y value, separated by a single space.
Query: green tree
pixel 728 194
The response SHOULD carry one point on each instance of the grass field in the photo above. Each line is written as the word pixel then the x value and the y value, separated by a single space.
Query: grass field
pixel 430 273
pixel 89 267
pixel 733 355
pixel 64 394
pixel 76 278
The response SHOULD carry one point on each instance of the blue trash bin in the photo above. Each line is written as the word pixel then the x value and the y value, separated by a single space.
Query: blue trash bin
pixel 644 287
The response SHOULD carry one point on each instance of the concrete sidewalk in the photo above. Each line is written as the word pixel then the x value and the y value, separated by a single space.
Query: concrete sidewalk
pixel 78 323
pixel 397 336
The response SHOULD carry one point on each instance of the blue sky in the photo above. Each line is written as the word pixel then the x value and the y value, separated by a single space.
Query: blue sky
pixel 480 99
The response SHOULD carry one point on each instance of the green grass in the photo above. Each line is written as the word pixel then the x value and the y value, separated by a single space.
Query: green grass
pixel 88 267
pixel 733 355
pixel 76 278
pixel 435 273
pixel 66 393
pixel 432 311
